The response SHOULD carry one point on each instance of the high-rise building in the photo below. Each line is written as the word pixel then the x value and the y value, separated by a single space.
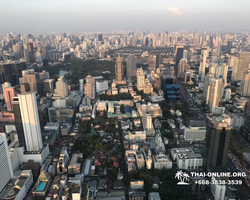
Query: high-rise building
pixel 203 62
pixel 221 71
pixel 9 93
pixel 229 46
pixel 158 60
pixel 27 119
pixel 178 54
pixel 31 52
pixel 90 80
pixel 219 133
pixel 11 71
pixel 48 86
pixel 33 82
pixel 43 75
pixel 131 66
pixel 140 79
pixel 89 90
pixel 214 89
pixel 81 84
pixel 119 69
pixel 6 171
pixel 152 63
pixel 100 37
pixel 62 87
pixel 211 40
pixel 182 67
pixel 243 65
pixel 245 84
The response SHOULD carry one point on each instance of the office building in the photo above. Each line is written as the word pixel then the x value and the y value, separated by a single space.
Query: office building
pixel 33 82
pixel 6 172
pixel 27 119
pixel 242 66
pixel 11 71
pixel 219 133
pixel 89 90
pixel 119 70
pixel 140 79
pixel 90 80
pixel 131 66
pixel 182 67
pixel 161 161
pixel 178 54
pixel 62 88
pixel 214 90
pixel 102 85
pixel 43 75
pixel 245 84
pixel 196 131
pixel 221 71
pixel 100 37
pixel 204 55
pixel 9 93
pixel 152 63
pixel 48 86
pixel 81 84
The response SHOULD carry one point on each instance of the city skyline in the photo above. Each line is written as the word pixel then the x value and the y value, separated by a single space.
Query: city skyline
pixel 47 16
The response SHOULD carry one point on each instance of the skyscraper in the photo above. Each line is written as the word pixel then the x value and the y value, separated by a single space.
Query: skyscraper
pixel 62 87
pixel 203 62
pixel 152 63
pixel 221 71
pixel 33 82
pixel 140 79
pixel 242 66
pixel 31 52
pixel 9 93
pixel 214 89
pixel 89 87
pixel 219 133
pixel 27 121
pixel 178 54
pixel 89 90
pixel 131 66
pixel 119 69
pixel 245 84
pixel 6 171
pixel 182 67
pixel 100 37
pixel 81 84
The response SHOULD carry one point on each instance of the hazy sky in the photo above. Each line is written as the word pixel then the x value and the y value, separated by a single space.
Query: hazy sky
pixel 108 15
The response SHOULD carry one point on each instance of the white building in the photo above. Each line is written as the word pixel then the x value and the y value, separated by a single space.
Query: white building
pixel 137 136
pixel 6 171
pixel 196 131
pixel 62 87
pixel 140 79
pixel 81 83
pixel 30 121
pixel 218 190
pixel 102 85
pixel 162 160
pixel 189 160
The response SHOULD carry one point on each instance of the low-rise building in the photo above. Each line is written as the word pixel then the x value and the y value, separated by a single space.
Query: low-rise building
pixel 75 164
pixel 162 160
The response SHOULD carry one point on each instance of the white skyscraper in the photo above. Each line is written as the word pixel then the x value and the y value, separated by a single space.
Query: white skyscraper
pixel 81 83
pixel 30 121
pixel 62 87
pixel 182 67
pixel 140 79
pixel 203 62
pixel 6 172
pixel 221 71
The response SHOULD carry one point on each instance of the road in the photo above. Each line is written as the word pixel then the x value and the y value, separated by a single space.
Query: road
pixel 125 173
pixel 241 188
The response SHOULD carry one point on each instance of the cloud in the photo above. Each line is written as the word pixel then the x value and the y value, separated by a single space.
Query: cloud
pixel 175 11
